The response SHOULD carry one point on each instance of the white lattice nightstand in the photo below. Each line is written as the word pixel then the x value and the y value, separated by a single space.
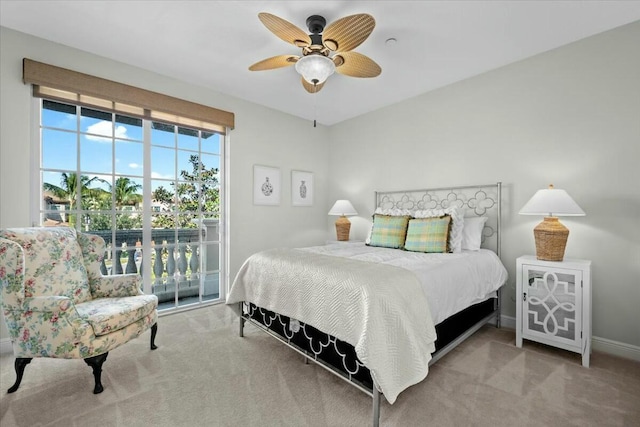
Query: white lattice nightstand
pixel 553 304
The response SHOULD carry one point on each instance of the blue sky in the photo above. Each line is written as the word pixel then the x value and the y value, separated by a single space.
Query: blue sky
pixel 59 149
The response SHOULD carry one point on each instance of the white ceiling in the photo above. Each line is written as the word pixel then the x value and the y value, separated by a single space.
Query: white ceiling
pixel 212 43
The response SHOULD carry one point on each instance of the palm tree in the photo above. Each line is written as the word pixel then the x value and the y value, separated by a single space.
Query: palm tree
pixel 68 188
pixel 126 191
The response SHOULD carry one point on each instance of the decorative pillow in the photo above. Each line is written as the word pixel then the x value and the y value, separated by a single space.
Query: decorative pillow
pixel 457 224
pixel 472 232
pixel 389 231
pixel 390 212
pixel 429 235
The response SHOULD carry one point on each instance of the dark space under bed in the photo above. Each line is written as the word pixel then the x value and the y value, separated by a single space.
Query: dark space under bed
pixel 341 356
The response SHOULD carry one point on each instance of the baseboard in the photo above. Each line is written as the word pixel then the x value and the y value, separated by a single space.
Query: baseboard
pixel 507 322
pixel 603 345
pixel 616 348
pixel 5 346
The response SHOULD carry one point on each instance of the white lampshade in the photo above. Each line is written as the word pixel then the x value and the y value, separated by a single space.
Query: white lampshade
pixel 315 68
pixel 550 235
pixel 343 208
pixel 551 202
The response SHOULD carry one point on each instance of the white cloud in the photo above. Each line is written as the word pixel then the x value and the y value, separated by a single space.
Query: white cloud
pixel 134 166
pixel 104 128
pixel 157 175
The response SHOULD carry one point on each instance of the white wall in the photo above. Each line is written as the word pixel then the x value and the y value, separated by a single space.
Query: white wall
pixel 570 117
pixel 261 136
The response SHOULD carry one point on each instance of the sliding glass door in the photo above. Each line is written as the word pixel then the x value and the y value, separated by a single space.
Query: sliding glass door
pixel 152 190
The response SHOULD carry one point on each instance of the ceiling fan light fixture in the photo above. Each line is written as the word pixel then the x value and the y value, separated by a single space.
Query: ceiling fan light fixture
pixel 315 68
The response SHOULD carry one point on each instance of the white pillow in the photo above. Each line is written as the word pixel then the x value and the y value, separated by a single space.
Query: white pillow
pixel 393 212
pixel 472 232
pixel 457 224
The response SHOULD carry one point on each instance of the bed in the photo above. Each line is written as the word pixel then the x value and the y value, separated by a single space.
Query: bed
pixel 376 316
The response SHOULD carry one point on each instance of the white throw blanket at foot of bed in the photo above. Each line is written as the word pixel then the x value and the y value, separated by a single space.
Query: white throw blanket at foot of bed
pixel 379 309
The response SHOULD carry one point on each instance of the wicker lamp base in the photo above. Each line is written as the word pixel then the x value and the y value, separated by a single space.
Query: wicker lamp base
pixel 343 226
pixel 551 239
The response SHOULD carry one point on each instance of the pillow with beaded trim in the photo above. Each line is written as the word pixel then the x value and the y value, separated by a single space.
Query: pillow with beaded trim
pixel 457 224
pixel 429 235
pixel 389 231
pixel 390 212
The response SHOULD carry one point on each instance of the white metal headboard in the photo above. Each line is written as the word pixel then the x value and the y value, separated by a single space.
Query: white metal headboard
pixel 475 200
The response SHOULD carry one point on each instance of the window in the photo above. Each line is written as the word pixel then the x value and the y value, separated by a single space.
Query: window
pixel 140 168
pixel 151 189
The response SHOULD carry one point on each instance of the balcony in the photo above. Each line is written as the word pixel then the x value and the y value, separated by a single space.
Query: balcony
pixel 179 262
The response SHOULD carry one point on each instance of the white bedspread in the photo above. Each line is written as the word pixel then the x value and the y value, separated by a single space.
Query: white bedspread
pixel 384 302
pixel 451 282
pixel 380 309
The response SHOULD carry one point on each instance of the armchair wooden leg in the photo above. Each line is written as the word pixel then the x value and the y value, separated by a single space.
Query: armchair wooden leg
pixel 154 331
pixel 96 364
pixel 20 364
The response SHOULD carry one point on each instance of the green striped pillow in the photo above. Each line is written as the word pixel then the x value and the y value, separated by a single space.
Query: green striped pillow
pixel 389 231
pixel 428 234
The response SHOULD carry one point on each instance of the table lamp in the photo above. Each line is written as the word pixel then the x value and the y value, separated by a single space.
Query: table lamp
pixel 343 225
pixel 550 235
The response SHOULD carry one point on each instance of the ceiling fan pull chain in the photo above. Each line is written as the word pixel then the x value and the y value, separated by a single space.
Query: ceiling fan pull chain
pixel 315 103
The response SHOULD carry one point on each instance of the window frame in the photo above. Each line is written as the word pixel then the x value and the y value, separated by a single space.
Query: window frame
pixel 37 201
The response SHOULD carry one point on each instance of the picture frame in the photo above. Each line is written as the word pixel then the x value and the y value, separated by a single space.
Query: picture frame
pixel 266 185
pixel 302 188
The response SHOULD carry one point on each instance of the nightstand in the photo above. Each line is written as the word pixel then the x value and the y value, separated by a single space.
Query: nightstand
pixel 553 303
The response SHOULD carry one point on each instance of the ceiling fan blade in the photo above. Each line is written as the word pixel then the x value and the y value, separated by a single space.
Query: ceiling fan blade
pixel 285 30
pixel 274 62
pixel 312 88
pixel 355 64
pixel 347 33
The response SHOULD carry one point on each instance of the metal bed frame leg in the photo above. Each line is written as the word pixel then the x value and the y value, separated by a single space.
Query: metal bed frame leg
pixel 376 405
pixel 242 320
pixel 499 309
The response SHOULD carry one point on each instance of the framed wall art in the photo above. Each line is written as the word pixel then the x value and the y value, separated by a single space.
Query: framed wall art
pixel 301 188
pixel 266 185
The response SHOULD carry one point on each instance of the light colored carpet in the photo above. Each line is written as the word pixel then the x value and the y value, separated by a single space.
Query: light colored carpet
pixel 203 374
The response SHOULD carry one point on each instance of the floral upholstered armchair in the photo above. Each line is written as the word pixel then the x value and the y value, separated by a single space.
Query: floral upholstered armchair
pixel 57 303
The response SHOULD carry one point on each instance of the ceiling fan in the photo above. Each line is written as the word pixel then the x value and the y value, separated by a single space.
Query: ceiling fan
pixel 317 63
